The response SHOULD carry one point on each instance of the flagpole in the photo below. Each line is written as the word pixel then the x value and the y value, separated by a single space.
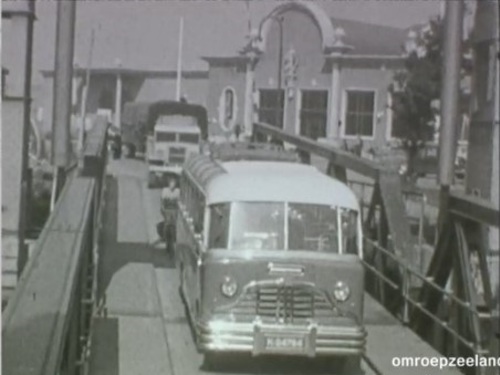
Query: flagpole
pixel 83 108
pixel 179 60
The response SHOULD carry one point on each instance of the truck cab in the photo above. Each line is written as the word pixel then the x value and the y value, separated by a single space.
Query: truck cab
pixel 173 139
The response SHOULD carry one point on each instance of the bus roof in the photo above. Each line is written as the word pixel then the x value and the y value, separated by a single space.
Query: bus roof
pixel 232 151
pixel 268 181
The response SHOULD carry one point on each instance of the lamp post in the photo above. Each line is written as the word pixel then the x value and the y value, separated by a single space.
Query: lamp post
pixel 279 20
pixel 63 79
pixel 118 94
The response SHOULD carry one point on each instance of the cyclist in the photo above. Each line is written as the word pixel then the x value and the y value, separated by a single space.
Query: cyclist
pixel 169 198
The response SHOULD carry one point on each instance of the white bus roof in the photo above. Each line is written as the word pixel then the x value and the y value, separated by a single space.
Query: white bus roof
pixel 277 182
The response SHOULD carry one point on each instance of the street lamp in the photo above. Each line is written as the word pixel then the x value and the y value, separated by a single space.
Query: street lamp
pixel 279 20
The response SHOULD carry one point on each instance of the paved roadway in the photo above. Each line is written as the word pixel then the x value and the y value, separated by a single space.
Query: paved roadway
pixel 142 328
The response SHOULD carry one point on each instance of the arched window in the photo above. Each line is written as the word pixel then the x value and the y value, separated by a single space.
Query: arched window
pixel 228 104
pixel 228 108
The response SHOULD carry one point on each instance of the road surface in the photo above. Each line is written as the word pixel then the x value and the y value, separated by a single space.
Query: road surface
pixel 141 328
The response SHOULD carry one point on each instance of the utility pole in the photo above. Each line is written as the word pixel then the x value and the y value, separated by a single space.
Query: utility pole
pixel 279 121
pixel 63 79
pixel 449 100
pixel 83 109
pixel 179 61
pixel 450 92
pixel 16 124
pixel 482 173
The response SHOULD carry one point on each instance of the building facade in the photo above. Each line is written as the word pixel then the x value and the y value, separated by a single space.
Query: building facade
pixel 109 87
pixel 309 74
pixel 301 70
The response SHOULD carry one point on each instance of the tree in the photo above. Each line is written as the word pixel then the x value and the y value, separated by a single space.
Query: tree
pixel 417 88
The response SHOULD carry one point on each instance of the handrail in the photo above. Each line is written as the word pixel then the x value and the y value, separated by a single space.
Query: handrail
pixel 474 208
pixel 406 191
pixel 51 300
pixel 350 161
pixel 45 295
pixel 408 272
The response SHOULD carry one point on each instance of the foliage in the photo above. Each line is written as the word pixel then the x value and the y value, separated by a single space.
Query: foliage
pixel 417 88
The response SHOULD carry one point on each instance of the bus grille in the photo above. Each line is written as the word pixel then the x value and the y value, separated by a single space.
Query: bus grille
pixel 176 155
pixel 284 303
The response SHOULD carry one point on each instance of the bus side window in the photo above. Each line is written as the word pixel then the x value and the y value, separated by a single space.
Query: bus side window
pixel 190 199
pixel 182 188
pixel 198 218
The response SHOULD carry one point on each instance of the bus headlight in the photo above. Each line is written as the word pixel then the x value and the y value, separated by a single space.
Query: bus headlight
pixel 341 291
pixel 229 287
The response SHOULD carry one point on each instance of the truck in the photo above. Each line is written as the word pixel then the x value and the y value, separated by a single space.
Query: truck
pixel 175 130
pixel 166 132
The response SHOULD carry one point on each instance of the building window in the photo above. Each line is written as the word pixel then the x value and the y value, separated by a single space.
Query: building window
pixel 271 107
pixel 313 113
pixel 359 113
pixel 228 104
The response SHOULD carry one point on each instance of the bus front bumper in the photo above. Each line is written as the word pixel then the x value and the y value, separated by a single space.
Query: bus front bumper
pixel 261 339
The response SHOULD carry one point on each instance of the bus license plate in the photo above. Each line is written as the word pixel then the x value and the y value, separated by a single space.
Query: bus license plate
pixel 284 342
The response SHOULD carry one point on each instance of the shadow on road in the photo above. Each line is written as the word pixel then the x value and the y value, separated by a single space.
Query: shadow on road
pixel 115 255
pixel 105 351
pixel 273 365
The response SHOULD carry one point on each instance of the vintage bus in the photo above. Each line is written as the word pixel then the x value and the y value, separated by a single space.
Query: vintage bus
pixel 269 257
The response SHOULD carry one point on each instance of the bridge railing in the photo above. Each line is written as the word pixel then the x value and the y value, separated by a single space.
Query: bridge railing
pixel 460 263
pixel 471 320
pixel 415 203
pixel 431 301
pixel 411 303
pixel 47 323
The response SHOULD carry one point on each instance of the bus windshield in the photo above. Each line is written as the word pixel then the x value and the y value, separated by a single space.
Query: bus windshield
pixel 282 226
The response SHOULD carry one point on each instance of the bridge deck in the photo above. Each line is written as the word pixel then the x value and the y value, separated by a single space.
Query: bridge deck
pixel 143 329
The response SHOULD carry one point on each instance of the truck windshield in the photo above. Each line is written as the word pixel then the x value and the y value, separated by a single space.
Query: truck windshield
pixel 165 136
pixel 188 138
pixel 282 226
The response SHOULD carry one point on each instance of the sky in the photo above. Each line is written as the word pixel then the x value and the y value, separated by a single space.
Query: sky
pixel 144 33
